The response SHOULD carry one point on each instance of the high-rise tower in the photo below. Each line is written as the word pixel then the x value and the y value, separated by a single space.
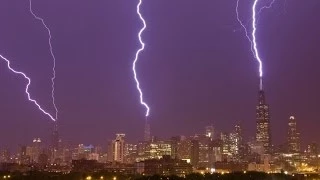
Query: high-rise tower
pixel 293 138
pixel 55 137
pixel 55 142
pixel 263 134
pixel 118 148
pixel 147 135
pixel 210 132
pixel 236 140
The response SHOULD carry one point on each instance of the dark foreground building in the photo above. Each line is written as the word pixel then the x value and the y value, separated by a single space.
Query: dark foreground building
pixel 165 166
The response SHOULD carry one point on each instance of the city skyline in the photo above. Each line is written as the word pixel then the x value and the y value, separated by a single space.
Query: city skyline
pixel 188 75
pixel 204 153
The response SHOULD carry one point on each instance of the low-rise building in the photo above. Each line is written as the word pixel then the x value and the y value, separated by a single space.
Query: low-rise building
pixel 165 166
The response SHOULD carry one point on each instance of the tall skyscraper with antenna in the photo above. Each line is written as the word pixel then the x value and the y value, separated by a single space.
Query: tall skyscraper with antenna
pixel 263 131
pixel 55 136
pixel 147 134
pixel 55 142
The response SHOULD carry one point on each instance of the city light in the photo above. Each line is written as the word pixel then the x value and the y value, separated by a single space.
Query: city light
pixel 212 170
pixel 189 138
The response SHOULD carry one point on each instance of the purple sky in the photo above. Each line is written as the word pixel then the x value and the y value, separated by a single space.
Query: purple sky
pixel 196 70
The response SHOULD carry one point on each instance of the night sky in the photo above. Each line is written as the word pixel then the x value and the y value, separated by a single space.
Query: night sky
pixel 196 70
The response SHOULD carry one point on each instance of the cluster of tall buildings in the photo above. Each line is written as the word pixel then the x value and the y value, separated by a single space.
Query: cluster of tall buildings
pixel 229 151
pixel 207 151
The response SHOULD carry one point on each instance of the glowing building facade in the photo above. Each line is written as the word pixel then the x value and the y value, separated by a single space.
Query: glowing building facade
pixel 210 131
pixel 263 133
pixel 147 134
pixel 293 138
pixel 116 152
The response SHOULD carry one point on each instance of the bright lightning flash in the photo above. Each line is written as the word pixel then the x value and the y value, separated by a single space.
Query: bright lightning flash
pixel 244 27
pixel 137 57
pixel 52 55
pixel 253 39
pixel 267 7
pixel 27 87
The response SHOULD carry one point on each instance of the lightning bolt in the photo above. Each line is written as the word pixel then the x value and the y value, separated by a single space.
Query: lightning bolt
pixel 52 55
pixel 253 39
pixel 245 29
pixel 267 7
pixel 27 87
pixel 137 57
pixel 254 29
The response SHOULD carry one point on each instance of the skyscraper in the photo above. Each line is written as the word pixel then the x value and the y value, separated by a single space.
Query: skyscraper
pixel 55 137
pixel 210 132
pixel 117 149
pixel 263 134
pixel 35 150
pixel 56 150
pixel 235 140
pixel 293 138
pixel 194 154
pixel 226 143
pixel 238 132
pixel 147 136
